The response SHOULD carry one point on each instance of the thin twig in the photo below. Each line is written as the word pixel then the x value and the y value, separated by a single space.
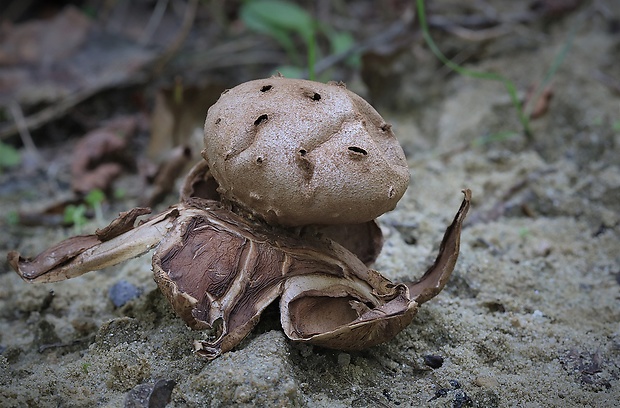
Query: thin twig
pixel 20 123
pixel 479 35
pixel 61 107
pixel 156 16
pixel 175 45
pixel 385 36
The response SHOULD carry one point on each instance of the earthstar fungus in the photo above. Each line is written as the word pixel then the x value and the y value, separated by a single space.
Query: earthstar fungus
pixel 283 206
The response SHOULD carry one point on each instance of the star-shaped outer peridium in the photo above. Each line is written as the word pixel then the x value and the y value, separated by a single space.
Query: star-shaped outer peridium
pixel 220 270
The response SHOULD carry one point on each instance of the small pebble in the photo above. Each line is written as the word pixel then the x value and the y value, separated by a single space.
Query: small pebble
pixel 150 396
pixel 461 399
pixel 344 359
pixel 433 361
pixel 122 292
pixel 486 381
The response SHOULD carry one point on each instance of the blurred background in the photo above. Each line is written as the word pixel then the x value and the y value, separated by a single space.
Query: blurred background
pixel 91 90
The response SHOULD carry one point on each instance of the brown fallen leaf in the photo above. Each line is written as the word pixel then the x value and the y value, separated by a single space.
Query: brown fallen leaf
pixel 48 66
pixel 540 106
pixel 99 157
pixel 179 110
pixel 44 41
pixel 173 166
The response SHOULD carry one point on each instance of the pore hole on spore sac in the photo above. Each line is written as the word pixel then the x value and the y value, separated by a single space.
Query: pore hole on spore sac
pixel 260 119
pixel 311 95
pixel 302 152
pixel 266 88
pixel 357 150
pixel 391 192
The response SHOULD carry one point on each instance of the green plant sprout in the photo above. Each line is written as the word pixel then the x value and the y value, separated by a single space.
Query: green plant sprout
pixel 9 156
pixel 523 113
pixel 94 198
pixel 119 193
pixel 524 232
pixel 76 214
pixel 281 20
pixel 509 85
pixel 12 218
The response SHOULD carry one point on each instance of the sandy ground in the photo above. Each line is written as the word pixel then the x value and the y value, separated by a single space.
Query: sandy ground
pixel 530 317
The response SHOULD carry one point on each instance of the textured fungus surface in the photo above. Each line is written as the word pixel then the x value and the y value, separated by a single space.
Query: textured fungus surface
pixel 299 152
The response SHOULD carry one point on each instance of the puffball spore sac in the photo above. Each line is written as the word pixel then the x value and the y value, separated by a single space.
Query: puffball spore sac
pixel 297 152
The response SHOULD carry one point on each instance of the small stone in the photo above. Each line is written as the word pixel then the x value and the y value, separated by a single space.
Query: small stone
pixel 515 322
pixel 344 359
pixel 461 399
pixel 433 361
pixel 162 391
pixel 486 381
pixel 122 292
